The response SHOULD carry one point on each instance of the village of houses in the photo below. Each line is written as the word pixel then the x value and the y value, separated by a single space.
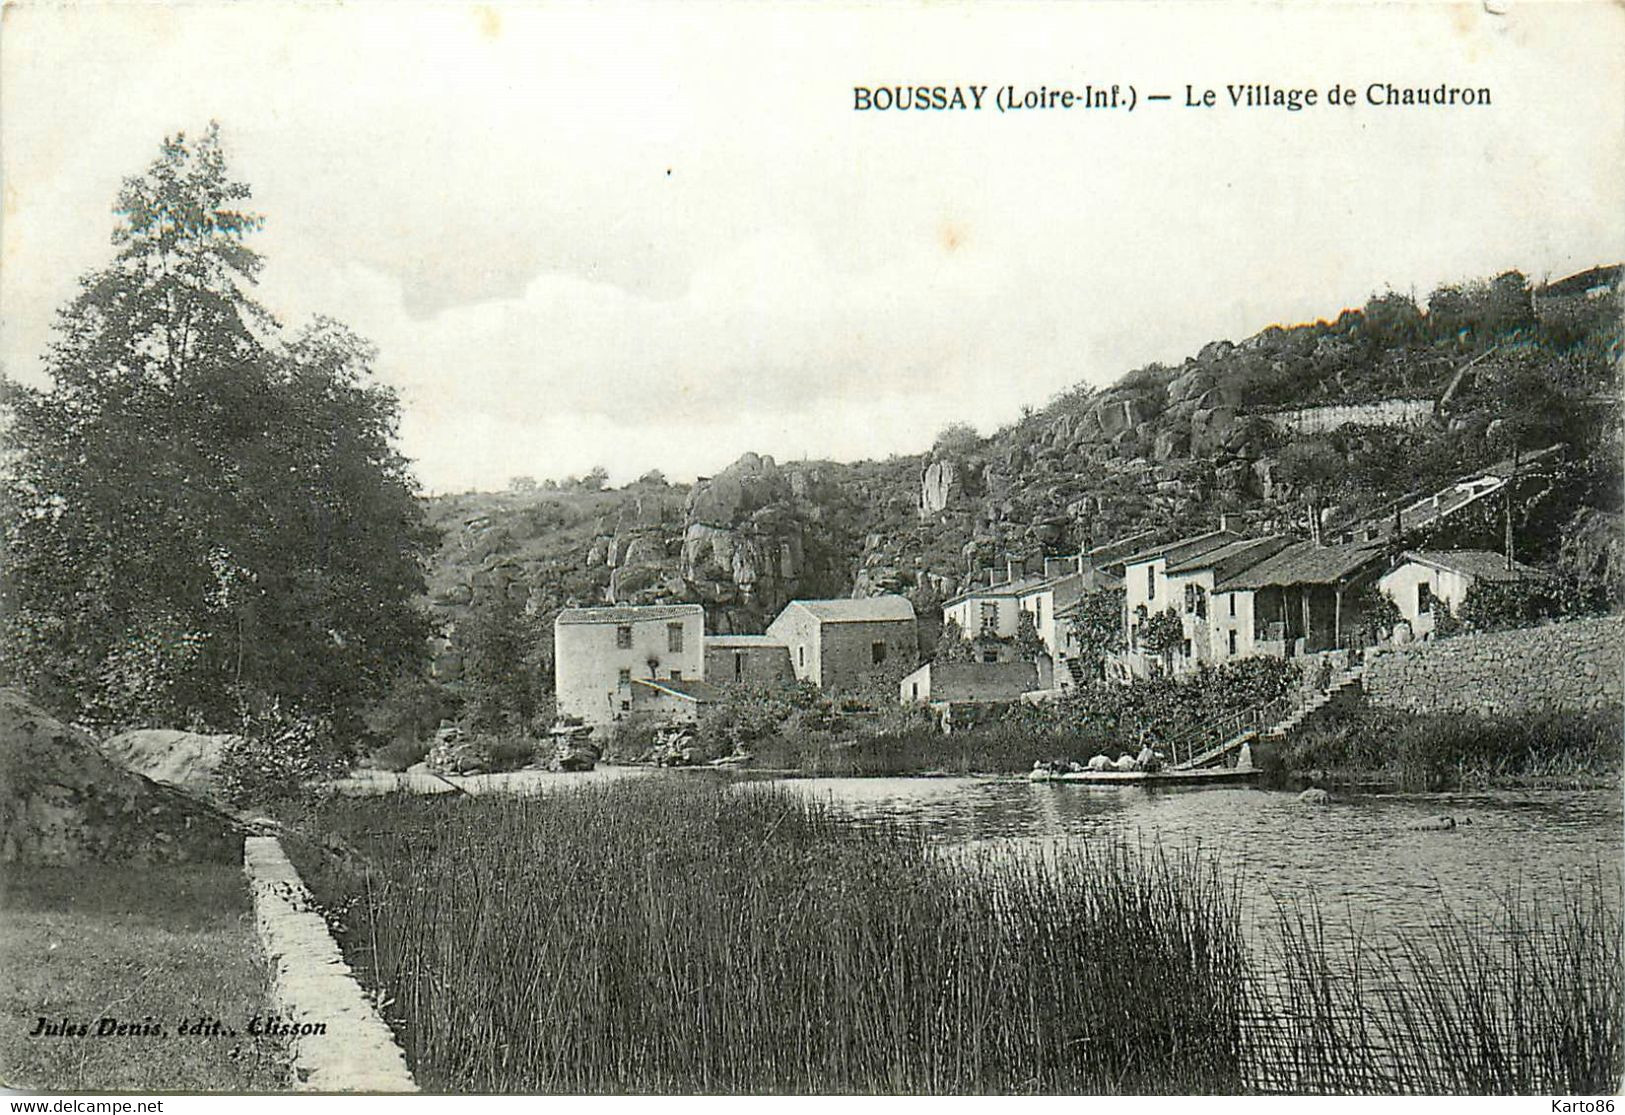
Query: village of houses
pixel 1235 596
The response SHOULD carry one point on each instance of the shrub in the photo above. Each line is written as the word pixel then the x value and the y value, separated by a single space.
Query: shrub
pixel 274 757
pixel 1434 751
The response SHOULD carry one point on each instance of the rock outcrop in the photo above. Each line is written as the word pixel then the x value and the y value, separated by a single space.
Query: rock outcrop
pixel 64 802
pixel 189 760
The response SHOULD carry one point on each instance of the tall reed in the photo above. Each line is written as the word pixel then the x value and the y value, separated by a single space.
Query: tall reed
pixel 653 937
pixel 1521 1000
pixel 672 936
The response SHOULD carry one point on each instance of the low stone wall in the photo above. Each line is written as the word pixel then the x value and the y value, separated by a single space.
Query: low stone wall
pixel 339 1042
pixel 1575 665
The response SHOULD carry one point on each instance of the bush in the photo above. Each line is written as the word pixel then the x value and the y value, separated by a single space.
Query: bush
pixel 1435 751
pixel 274 757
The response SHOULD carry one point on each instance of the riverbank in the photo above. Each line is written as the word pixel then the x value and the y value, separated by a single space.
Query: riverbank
pixel 680 934
pixel 1370 748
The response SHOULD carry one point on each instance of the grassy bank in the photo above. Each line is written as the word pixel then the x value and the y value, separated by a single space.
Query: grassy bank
pixel 668 936
pixel 659 937
pixel 169 943
pixel 1450 751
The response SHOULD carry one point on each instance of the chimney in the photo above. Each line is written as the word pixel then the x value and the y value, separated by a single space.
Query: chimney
pixel 991 576
pixel 1230 523
pixel 1009 569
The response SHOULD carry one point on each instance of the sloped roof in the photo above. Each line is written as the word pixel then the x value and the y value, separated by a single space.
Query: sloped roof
pixel 701 692
pixel 1303 563
pixel 743 641
pixel 628 613
pixel 1184 549
pixel 1113 553
pixel 1484 565
pixel 1230 559
pixel 863 609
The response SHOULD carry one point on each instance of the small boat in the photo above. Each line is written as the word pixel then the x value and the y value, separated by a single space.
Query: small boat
pixel 1207 776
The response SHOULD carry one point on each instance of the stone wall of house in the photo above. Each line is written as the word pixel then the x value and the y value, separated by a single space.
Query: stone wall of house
pixel 847 656
pixel 1579 664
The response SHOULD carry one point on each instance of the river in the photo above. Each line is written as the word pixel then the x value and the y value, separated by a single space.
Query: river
pixel 1356 858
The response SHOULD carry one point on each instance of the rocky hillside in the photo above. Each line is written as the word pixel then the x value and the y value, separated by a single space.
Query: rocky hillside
pixel 1332 420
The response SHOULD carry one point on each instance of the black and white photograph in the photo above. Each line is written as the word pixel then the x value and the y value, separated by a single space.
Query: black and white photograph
pixel 779 549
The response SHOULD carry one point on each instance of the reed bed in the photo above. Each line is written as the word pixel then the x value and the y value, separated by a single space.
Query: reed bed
pixel 666 936
pixel 683 938
pixel 1522 1000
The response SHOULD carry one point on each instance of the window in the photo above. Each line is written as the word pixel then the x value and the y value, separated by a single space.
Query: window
pixel 625 678
pixel 1038 612
pixel 1232 597
pixel 626 706
pixel 801 656
pixel 877 653
pixel 1151 582
pixel 677 675
pixel 1186 649
pixel 623 637
pixel 739 664
pixel 916 690
pixel 990 615
pixel 1424 599
pixel 1232 641
pixel 1201 601
pixel 674 637
pixel 990 656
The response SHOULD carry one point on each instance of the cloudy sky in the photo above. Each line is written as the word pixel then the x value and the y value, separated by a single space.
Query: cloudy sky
pixel 659 236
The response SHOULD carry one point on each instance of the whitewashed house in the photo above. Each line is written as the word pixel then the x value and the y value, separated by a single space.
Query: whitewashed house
pixel 1423 582
pixel 605 659
pixel 1148 590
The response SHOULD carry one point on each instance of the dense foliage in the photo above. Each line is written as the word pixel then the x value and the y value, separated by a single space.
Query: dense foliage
pixel 206 515
pixel 1494 605
pixel 1452 750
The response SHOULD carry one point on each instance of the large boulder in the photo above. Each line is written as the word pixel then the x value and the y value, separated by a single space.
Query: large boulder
pixel 938 485
pixel 189 760
pixel 64 802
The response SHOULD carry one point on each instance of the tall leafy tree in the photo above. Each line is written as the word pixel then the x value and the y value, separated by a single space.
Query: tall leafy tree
pixel 206 515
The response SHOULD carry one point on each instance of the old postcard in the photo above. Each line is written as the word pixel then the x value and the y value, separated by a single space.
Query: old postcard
pixel 767 549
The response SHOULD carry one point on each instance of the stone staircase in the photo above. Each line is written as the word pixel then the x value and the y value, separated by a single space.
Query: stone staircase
pixel 1268 723
pixel 1348 681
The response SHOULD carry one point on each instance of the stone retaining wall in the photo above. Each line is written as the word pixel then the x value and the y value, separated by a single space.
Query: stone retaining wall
pixel 1575 665
pixel 338 1041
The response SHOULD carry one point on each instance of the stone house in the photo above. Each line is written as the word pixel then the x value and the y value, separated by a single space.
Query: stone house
pixel 965 693
pixel 1214 623
pixel 1303 599
pixel 990 616
pixel 746 660
pixel 600 653
pixel 1423 580
pixel 946 682
pixel 1147 589
pixel 848 645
